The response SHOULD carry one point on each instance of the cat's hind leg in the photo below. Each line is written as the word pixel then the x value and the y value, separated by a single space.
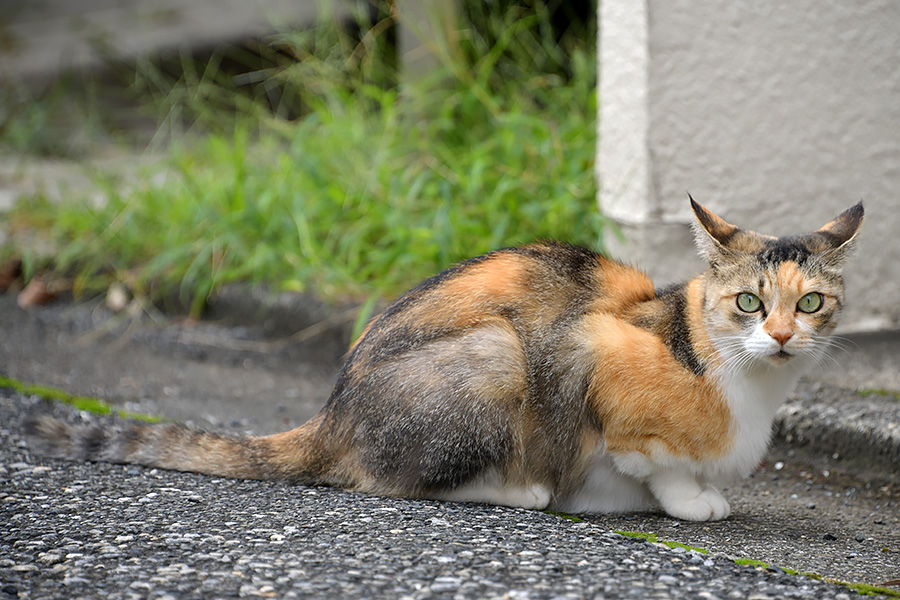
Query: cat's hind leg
pixel 489 491
pixel 440 419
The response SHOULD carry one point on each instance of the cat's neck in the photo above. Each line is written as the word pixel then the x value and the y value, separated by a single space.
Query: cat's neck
pixel 759 384
pixel 753 394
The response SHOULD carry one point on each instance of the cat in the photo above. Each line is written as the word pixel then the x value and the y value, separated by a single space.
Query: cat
pixel 547 376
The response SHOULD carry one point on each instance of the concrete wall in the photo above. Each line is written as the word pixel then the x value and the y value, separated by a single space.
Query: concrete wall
pixel 777 115
pixel 42 37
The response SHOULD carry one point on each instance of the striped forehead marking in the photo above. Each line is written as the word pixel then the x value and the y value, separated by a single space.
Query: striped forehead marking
pixel 787 249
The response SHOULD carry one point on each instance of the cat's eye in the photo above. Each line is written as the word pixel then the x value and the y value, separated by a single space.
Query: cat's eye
pixel 749 303
pixel 810 303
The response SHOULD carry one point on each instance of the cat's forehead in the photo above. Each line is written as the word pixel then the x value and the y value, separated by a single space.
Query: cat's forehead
pixel 778 261
pixel 769 252
pixel 787 275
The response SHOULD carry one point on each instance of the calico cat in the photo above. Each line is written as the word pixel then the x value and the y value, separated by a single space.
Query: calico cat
pixel 548 376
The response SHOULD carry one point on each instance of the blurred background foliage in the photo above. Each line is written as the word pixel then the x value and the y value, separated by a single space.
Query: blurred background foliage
pixel 307 161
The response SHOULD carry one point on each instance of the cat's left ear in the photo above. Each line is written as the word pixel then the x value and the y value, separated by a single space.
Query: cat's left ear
pixel 843 229
pixel 837 238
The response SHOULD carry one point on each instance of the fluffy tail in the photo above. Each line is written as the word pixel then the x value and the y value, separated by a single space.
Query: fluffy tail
pixel 294 455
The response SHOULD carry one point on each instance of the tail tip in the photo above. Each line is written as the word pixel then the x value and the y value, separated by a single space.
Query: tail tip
pixel 52 437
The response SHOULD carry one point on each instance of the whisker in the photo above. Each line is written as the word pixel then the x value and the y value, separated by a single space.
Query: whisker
pixel 843 344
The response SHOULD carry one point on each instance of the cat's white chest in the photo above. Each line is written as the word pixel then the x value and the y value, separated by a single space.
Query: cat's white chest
pixel 753 398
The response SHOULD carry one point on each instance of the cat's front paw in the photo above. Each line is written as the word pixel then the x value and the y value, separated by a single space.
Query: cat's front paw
pixel 683 497
pixel 709 505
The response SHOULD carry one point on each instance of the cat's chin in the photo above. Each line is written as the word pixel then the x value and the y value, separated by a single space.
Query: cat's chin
pixel 780 358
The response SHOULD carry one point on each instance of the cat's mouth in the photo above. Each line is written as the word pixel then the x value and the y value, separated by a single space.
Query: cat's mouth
pixel 781 357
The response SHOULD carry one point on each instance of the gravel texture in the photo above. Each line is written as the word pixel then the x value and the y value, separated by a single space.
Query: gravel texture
pixel 99 530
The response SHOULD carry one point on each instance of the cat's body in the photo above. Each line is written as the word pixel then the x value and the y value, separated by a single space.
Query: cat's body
pixel 549 376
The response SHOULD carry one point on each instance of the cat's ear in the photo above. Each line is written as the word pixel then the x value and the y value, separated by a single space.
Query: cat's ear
pixel 836 239
pixel 843 229
pixel 712 234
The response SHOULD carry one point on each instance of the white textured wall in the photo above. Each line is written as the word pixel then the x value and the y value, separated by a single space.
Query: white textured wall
pixel 775 114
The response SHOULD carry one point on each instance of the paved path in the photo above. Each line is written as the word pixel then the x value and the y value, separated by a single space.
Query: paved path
pixel 111 531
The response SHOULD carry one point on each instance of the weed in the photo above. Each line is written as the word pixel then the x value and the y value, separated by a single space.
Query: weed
pixel 861 588
pixel 565 516
pixel 867 392
pixel 371 189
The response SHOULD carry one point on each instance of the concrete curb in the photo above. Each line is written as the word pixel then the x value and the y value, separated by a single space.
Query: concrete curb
pixel 828 421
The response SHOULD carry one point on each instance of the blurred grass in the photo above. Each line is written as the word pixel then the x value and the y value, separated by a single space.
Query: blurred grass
pixel 85 403
pixel 316 173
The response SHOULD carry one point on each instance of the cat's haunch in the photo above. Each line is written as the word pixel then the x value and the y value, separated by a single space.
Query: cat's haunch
pixel 548 376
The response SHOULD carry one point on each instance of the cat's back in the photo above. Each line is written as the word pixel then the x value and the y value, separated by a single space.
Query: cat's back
pixel 531 287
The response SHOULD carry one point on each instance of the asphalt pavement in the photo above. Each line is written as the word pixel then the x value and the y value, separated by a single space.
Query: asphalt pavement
pixel 825 502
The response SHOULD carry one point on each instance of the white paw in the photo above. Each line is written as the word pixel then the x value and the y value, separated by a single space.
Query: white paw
pixel 683 497
pixel 535 496
pixel 709 505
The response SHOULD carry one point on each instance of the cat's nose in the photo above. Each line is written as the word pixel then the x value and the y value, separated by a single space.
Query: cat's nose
pixel 781 337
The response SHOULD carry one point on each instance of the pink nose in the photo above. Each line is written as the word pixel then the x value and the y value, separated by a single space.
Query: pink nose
pixel 781 337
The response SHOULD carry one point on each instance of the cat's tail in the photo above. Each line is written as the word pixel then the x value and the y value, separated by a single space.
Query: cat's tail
pixel 294 455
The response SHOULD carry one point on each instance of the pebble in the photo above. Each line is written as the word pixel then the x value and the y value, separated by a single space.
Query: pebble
pixel 445 584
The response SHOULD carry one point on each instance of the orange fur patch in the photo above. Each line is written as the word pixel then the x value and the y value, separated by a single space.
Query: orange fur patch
pixel 464 299
pixel 703 346
pixel 494 278
pixel 780 322
pixel 789 277
pixel 645 399
pixel 623 288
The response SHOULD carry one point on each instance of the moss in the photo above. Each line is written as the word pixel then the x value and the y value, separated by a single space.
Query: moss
pixel 860 588
pixel 870 590
pixel 85 403
pixel 764 565
pixel 866 392
pixel 565 516
pixel 651 537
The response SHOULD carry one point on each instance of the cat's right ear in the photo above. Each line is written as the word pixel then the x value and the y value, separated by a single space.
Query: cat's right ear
pixel 712 233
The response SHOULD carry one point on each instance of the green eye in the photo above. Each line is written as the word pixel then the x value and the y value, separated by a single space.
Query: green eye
pixel 749 303
pixel 810 303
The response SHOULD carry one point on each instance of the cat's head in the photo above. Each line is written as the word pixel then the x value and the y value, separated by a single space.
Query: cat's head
pixel 772 300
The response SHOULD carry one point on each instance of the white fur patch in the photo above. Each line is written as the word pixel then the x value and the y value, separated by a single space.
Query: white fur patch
pixel 606 489
pixel 489 491
pixel 754 390
pixel 683 497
